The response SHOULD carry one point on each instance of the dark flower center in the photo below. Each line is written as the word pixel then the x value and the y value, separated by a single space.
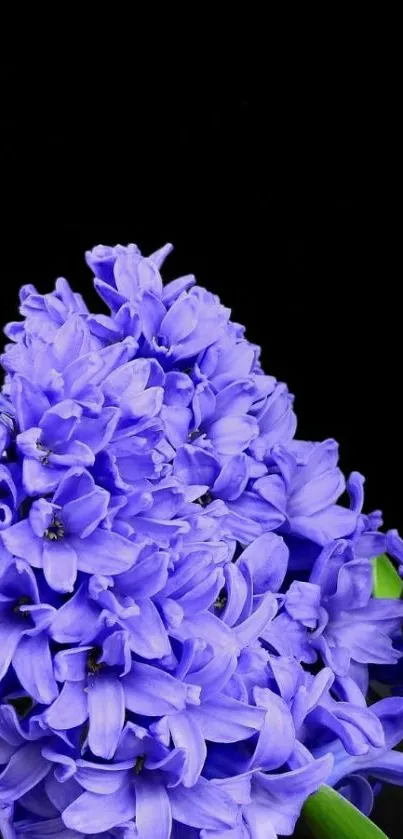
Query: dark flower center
pixel 139 765
pixel 194 434
pixel 93 665
pixel 46 453
pixel 22 601
pixel 222 599
pixel 55 530
pixel 205 499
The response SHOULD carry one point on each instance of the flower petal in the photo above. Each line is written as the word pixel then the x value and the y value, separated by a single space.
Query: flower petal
pixel 59 565
pixel 70 708
pixel 20 540
pixel 104 778
pixel 233 478
pixel 332 523
pixel 92 813
pixel 267 560
pixel 180 320
pixel 231 435
pixel 153 810
pixel 195 466
pixel 205 805
pixel 10 634
pixel 106 710
pixel 32 663
pixel 71 665
pixel 148 636
pixel 77 620
pixel 49 829
pixel 61 793
pixel 250 629
pixel 226 720
pixel 83 515
pixel 39 479
pixel 186 734
pixel 282 796
pixel 104 552
pixel 147 577
pixel 277 736
pixel 153 692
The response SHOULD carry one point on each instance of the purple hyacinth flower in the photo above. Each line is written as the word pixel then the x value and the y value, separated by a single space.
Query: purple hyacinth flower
pixel 314 483
pixel 44 314
pixel 276 800
pixel 101 681
pixel 149 472
pixel 62 439
pixel 69 367
pixel 24 640
pixel 22 754
pixel 64 535
pixel 350 774
pixel 352 625
pixel 147 785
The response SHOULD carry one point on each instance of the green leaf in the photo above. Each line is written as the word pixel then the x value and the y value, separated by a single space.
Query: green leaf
pixel 387 582
pixel 330 816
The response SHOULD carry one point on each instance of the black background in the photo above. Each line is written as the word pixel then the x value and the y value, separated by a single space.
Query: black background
pixel 276 200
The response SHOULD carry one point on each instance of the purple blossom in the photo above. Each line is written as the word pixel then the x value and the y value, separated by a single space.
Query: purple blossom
pixel 187 624
pixel 354 776
pixel 64 535
pixel 352 625
pixel 24 625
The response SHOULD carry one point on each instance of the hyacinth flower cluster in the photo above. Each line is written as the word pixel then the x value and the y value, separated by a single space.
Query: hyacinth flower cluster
pixel 187 621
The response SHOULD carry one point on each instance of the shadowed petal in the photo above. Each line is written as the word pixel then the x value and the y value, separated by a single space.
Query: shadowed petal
pixel 50 829
pixel 61 794
pixel 195 466
pixel 25 769
pixel 10 634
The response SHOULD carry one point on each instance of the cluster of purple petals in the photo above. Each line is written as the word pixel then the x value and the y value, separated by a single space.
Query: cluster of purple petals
pixel 187 624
